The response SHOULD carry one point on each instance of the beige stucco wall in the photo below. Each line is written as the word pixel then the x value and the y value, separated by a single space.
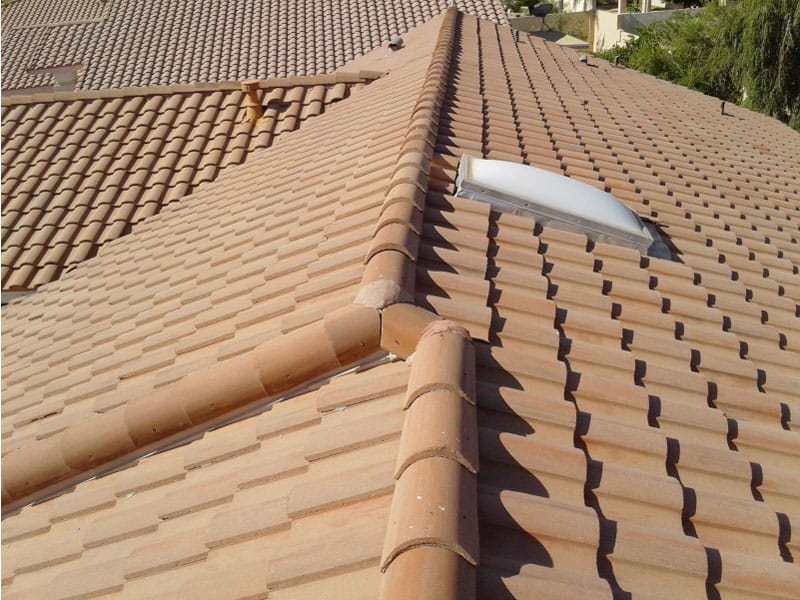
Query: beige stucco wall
pixel 611 28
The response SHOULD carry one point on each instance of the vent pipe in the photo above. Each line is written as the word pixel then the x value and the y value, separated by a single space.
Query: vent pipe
pixel 254 109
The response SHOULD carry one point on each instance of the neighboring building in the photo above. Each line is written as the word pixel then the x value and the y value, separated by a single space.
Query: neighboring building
pixel 601 25
pixel 324 374
pixel 616 26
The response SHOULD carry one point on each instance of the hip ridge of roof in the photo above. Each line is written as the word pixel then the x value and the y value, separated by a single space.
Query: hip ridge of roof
pixel 389 265
pixel 198 401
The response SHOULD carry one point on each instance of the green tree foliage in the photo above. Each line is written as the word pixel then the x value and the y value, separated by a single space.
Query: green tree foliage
pixel 767 65
pixel 747 53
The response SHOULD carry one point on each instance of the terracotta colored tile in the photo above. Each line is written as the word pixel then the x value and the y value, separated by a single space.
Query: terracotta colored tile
pixel 746 527
pixel 645 449
pixel 130 520
pixel 198 497
pixel 562 469
pixel 585 357
pixel 84 583
pixel 245 581
pixel 747 575
pixel 635 497
pixel 439 424
pixel 443 362
pixel 290 415
pixel 31 554
pixel 644 547
pixel 429 571
pixel 29 522
pixel 714 469
pixel 86 500
pixel 355 585
pixel 342 392
pixel 353 434
pixel 151 472
pixel 528 406
pixel 246 522
pixel 495 364
pixel 222 444
pixel 444 514
pixel 771 446
pixel 308 557
pixel 568 533
pixel 550 582
pixel 468 310
pixel 165 554
pixel 330 485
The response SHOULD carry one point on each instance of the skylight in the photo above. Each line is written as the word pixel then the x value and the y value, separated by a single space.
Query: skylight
pixel 553 200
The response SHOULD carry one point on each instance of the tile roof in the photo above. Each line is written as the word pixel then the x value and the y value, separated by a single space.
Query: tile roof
pixel 242 509
pixel 80 169
pixel 123 43
pixel 587 422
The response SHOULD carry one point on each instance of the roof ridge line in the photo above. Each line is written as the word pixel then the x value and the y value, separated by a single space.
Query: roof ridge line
pixel 389 264
pixel 343 76
pixel 431 541
pixel 197 401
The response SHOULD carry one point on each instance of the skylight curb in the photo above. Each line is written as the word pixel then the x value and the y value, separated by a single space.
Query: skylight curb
pixel 551 199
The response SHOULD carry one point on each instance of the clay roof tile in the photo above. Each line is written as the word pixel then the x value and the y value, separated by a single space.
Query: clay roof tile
pixel 646 362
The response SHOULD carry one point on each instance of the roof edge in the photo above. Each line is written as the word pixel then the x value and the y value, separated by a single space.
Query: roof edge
pixel 198 401
pixel 14 97
pixel 433 520
pixel 389 272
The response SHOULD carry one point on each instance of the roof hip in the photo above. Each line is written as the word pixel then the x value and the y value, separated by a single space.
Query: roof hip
pixel 389 272
pixel 431 545
pixel 198 401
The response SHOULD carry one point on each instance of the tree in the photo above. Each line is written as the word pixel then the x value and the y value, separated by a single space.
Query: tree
pixel 765 35
pixel 747 53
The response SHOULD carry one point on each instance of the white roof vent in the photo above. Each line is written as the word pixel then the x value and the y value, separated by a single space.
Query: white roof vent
pixel 552 199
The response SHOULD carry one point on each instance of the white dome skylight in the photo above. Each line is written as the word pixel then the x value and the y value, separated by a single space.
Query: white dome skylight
pixel 552 199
